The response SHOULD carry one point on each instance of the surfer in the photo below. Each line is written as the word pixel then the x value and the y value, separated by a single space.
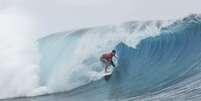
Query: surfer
pixel 106 59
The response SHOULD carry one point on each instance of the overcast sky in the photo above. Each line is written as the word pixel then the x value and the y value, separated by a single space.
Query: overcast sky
pixel 41 17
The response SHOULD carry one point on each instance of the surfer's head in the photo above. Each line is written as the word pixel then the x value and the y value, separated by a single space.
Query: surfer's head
pixel 113 52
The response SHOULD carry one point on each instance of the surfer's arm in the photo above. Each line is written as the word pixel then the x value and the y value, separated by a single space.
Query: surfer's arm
pixel 112 63
pixel 116 57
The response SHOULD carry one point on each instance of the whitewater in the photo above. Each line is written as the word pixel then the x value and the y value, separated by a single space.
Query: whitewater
pixel 157 60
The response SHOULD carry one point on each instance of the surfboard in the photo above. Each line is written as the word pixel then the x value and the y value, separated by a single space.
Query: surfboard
pixel 108 75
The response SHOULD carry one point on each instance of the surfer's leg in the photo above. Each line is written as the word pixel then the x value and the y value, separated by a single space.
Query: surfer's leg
pixel 106 69
pixel 106 64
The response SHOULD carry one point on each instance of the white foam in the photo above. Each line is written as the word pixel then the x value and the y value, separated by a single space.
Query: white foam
pixel 18 57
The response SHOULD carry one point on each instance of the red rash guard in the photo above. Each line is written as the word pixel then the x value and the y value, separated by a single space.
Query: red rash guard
pixel 107 56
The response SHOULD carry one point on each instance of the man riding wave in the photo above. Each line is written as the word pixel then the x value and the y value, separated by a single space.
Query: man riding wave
pixel 107 59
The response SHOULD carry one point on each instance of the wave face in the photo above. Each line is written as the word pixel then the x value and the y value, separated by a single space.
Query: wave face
pixel 159 62
pixel 156 61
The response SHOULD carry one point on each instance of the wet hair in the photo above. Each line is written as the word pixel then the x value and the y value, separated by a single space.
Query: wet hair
pixel 113 51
